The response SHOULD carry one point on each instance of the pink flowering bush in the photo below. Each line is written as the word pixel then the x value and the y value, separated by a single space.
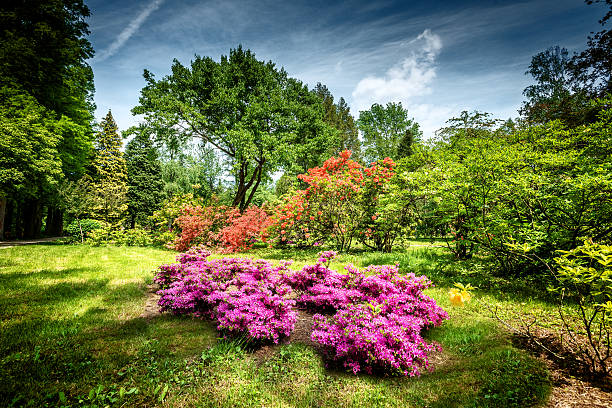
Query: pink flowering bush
pixel 244 296
pixel 365 338
pixel 368 320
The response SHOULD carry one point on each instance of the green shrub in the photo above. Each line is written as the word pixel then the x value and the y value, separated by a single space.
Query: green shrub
pixel 86 226
pixel 129 237
pixel 584 276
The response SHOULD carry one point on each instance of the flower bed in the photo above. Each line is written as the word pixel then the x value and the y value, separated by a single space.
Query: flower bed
pixel 370 320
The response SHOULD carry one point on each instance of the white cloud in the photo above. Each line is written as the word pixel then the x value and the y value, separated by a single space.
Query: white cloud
pixel 410 78
pixel 406 81
pixel 129 30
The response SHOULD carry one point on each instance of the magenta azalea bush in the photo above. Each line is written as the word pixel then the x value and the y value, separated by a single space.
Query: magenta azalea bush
pixel 368 320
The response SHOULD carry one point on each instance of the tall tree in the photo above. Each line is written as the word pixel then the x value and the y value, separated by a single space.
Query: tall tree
pixel 555 95
pixel 44 55
pixel 257 117
pixel 592 68
pixel 30 165
pixel 338 115
pixel 387 131
pixel 144 178
pixel 109 174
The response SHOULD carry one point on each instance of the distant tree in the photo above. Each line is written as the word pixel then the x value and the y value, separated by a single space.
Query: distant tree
pixel 387 131
pixel 253 114
pixel 338 115
pixel 555 95
pixel 144 178
pixel 592 68
pixel 109 174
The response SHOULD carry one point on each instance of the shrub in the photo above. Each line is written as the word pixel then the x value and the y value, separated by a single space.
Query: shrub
pixel 341 204
pixel 365 338
pixel 244 296
pixel 243 230
pixel 130 237
pixel 79 230
pixel 220 226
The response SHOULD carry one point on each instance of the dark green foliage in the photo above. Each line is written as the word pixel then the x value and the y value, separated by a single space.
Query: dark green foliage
pixel 145 186
pixel 80 229
pixel 556 94
pixel 387 132
pixel 248 110
pixel 44 51
pixel 338 115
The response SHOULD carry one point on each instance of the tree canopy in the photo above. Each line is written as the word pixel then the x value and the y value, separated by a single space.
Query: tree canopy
pixel 387 131
pixel 247 109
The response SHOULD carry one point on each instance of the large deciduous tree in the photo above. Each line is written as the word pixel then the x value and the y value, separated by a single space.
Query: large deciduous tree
pixel 257 117
pixel 387 132
pixel 556 94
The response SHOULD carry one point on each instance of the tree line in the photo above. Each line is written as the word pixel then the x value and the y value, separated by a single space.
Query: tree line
pixel 221 129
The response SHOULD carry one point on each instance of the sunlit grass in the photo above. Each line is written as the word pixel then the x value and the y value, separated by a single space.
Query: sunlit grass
pixel 71 330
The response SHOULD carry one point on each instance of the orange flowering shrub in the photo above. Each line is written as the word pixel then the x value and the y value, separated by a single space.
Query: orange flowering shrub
pixel 333 208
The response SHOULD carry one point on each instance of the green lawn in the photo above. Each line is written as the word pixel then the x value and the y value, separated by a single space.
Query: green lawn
pixel 72 335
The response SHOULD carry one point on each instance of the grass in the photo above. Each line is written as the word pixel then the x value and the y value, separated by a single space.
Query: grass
pixel 72 335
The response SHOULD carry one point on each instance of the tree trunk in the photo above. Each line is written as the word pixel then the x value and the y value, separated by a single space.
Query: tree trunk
pixel 32 218
pixel 2 213
pixel 55 221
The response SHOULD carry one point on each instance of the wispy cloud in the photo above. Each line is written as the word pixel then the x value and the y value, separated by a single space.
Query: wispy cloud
pixel 129 30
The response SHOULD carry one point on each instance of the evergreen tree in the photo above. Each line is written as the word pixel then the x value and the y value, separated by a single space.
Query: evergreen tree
pixel 338 115
pixel 145 185
pixel 109 174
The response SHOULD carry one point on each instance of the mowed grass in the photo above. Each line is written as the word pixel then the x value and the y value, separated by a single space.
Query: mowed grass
pixel 72 335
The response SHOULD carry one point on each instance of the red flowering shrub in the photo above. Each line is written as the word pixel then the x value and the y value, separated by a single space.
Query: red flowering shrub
pixel 201 225
pixel 243 230
pixel 220 226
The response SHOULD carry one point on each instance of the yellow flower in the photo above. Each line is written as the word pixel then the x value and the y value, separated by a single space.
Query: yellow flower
pixel 459 297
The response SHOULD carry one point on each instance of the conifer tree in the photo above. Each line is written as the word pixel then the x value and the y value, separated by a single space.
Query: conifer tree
pixel 109 174
pixel 145 185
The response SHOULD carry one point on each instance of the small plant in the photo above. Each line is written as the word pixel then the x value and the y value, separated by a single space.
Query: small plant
pixel 460 294
pixel 79 230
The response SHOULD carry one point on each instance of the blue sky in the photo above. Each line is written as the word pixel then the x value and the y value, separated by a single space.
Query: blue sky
pixel 436 57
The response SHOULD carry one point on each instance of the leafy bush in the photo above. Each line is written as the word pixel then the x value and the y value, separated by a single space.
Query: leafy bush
pixel 243 230
pixel 584 275
pixel 86 226
pixel 128 237
pixel 220 226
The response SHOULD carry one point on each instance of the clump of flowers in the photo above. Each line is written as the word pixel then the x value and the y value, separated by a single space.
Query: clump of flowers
pixel 460 294
pixel 244 296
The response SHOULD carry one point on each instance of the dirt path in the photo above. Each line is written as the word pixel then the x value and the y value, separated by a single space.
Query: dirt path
pixel 11 244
